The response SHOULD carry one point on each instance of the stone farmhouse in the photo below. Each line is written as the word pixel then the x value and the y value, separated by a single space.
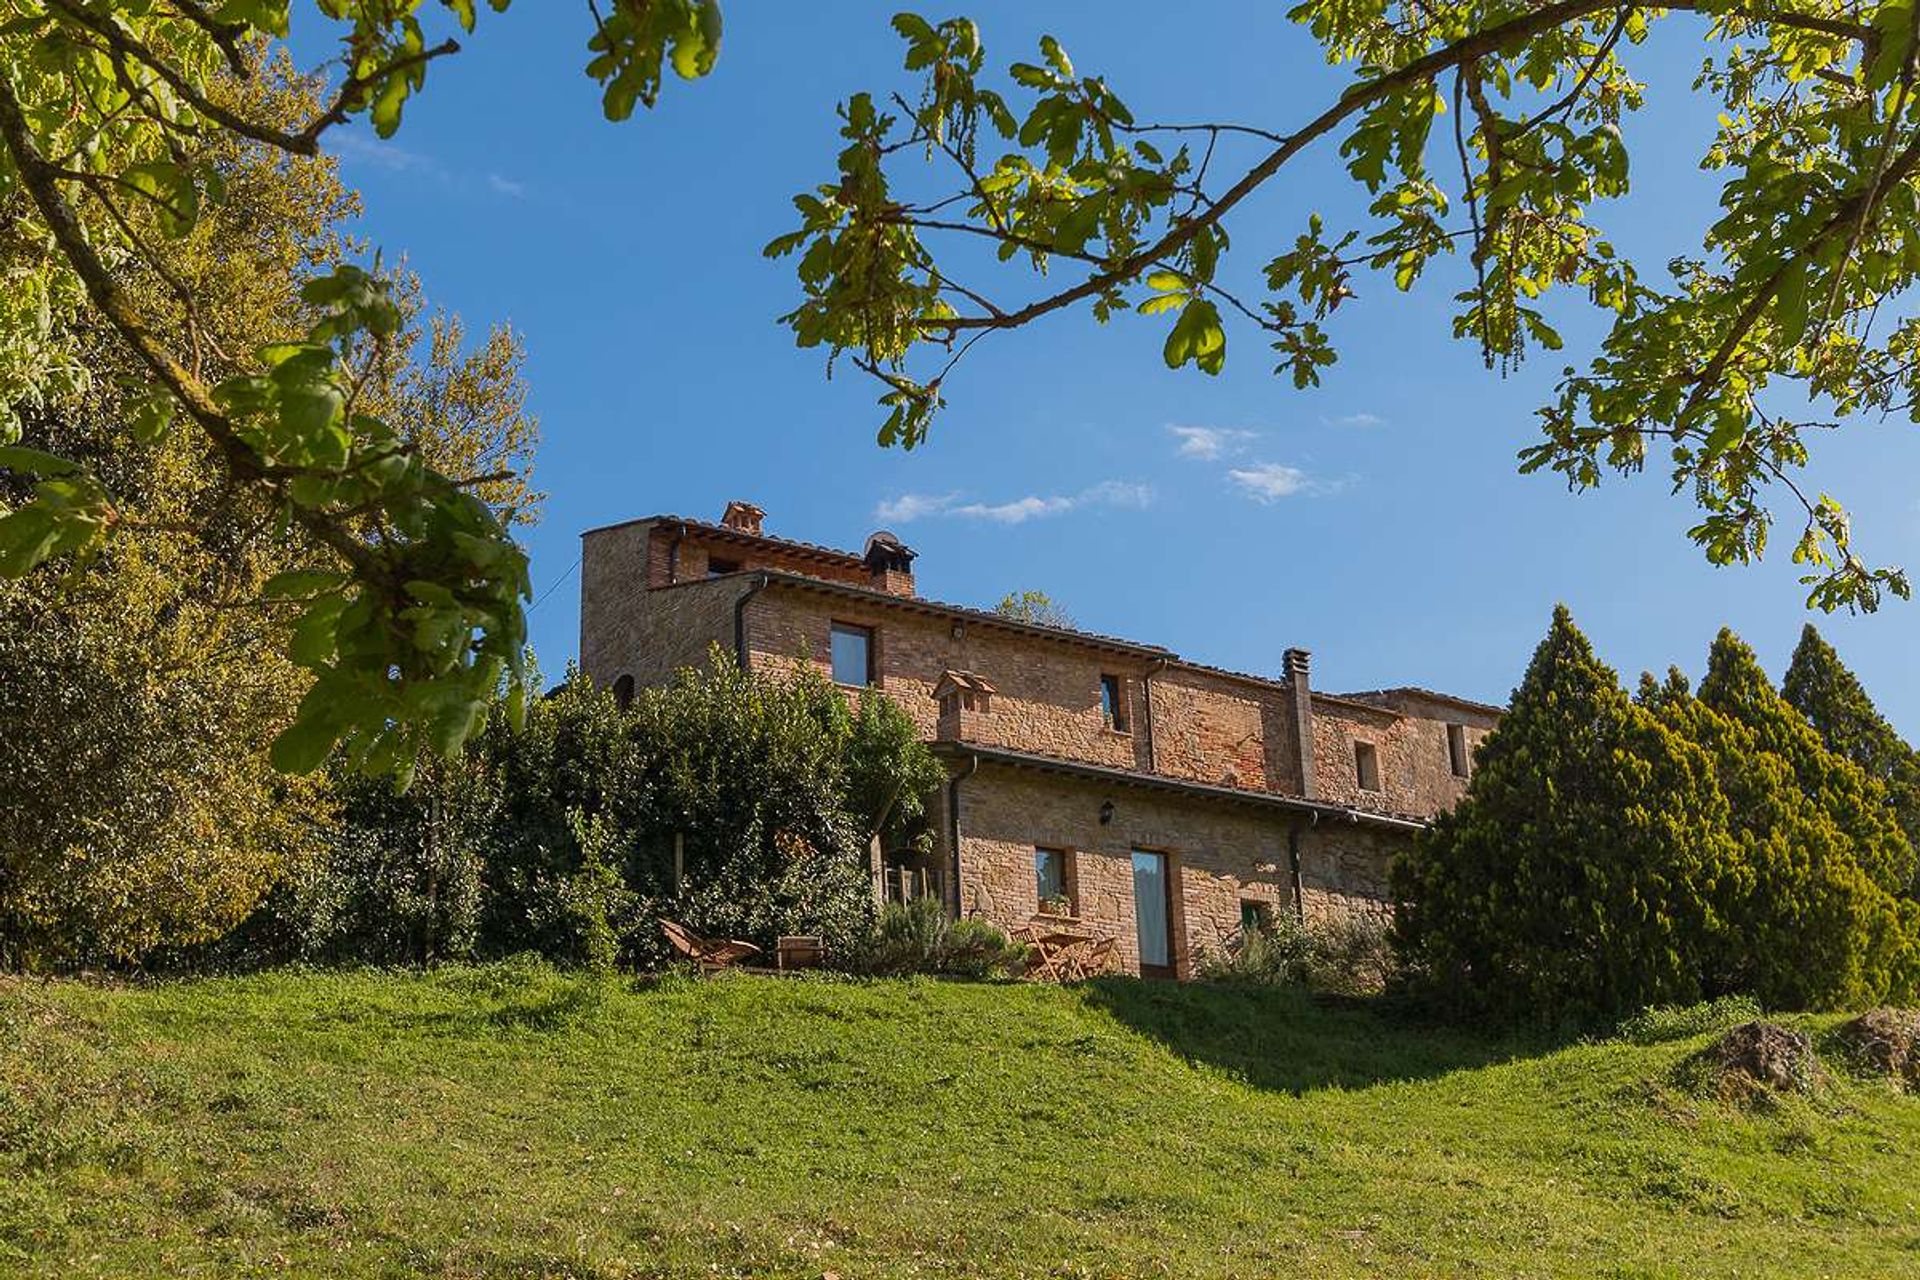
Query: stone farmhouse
pixel 1155 800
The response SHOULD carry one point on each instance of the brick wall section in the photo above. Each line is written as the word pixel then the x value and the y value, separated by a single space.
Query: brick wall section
pixel 1344 869
pixel 1218 854
pixel 1049 692
pixel 650 635
pixel 1210 727
pixel 1416 769
pixel 686 557
pixel 1428 720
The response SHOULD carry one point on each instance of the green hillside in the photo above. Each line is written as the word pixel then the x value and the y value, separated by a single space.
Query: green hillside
pixel 515 1122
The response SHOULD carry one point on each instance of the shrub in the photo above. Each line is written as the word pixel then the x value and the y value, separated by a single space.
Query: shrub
pixel 743 804
pixel 1682 1022
pixel 1353 954
pixel 919 937
pixel 1279 955
pixel 1346 954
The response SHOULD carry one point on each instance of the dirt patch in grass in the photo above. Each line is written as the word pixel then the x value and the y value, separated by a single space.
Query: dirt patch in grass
pixel 1883 1042
pixel 1756 1062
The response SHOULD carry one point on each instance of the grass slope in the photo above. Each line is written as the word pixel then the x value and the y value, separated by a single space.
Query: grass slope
pixel 514 1122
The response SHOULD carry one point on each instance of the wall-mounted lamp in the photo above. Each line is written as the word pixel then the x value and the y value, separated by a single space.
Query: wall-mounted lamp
pixel 1106 812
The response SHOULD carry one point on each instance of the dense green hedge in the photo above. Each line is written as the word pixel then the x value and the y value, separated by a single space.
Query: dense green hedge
pixel 562 837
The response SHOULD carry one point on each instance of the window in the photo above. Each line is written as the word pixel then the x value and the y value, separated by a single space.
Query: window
pixel 1366 765
pixel 1457 750
pixel 1050 881
pixel 623 692
pixel 1255 916
pixel 852 655
pixel 717 566
pixel 1113 703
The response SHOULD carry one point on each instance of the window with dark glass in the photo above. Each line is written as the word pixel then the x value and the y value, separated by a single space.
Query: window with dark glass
pixel 1050 878
pixel 1457 750
pixel 852 654
pixel 1113 702
pixel 1366 765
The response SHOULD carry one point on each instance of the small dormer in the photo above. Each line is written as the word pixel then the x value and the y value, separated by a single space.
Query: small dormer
pixel 966 706
pixel 964 691
pixel 889 564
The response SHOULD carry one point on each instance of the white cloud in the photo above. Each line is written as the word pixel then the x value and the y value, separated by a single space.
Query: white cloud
pixel 1271 481
pixel 1361 419
pixel 1108 493
pixel 1210 443
pixel 1019 511
pixel 506 186
pixel 913 506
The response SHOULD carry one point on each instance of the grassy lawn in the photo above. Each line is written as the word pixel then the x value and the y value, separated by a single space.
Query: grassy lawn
pixel 514 1122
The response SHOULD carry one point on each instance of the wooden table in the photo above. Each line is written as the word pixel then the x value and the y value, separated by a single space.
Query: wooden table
pixel 1058 952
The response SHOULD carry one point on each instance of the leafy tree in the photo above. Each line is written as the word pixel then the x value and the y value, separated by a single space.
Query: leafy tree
pixel 1819 686
pixel 1493 130
pixel 1034 606
pixel 114 120
pixel 891 774
pixel 137 691
pixel 740 803
pixel 1576 878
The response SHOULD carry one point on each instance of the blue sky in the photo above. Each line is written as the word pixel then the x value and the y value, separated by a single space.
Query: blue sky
pixel 1378 520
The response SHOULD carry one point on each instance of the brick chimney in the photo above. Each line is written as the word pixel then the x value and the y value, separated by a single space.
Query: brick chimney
pixel 743 517
pixel 890 564
pixel 1296 662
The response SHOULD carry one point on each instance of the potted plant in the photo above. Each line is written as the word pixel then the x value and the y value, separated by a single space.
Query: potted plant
pixel 1058 905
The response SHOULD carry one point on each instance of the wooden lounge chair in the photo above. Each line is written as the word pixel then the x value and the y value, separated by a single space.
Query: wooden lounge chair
pixel 708 953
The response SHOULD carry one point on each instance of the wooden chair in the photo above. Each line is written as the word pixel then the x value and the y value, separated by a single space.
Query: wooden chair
pixel 708 953
pixel 1055 955
pixel 1098 959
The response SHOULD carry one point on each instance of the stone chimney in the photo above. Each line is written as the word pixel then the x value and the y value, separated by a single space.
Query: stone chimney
pixel 743 517
pixel 1300 691
pixel 890 564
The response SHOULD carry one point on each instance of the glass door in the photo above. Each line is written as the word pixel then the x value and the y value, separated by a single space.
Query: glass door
pixel 1153 913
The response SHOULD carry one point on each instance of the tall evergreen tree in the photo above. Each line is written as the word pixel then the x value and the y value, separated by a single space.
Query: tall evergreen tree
pixel 1820 687
pixel 1806 927
pixel 1577 878
pixel 1858 805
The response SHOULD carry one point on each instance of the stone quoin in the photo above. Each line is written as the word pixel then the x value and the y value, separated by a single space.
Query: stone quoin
pixel 1162 802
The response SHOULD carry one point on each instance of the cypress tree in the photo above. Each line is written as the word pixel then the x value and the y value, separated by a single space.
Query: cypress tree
pixel 1857 805
pixel 1820 687
pixel 1576 880
pixel 1805 926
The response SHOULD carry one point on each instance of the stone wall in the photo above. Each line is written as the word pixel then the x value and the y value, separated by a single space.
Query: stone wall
pixel 1048 698
pixel 627 629
pixel 1219 853
pixel 1221 729
pixel 1416 764
pixel 677 556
